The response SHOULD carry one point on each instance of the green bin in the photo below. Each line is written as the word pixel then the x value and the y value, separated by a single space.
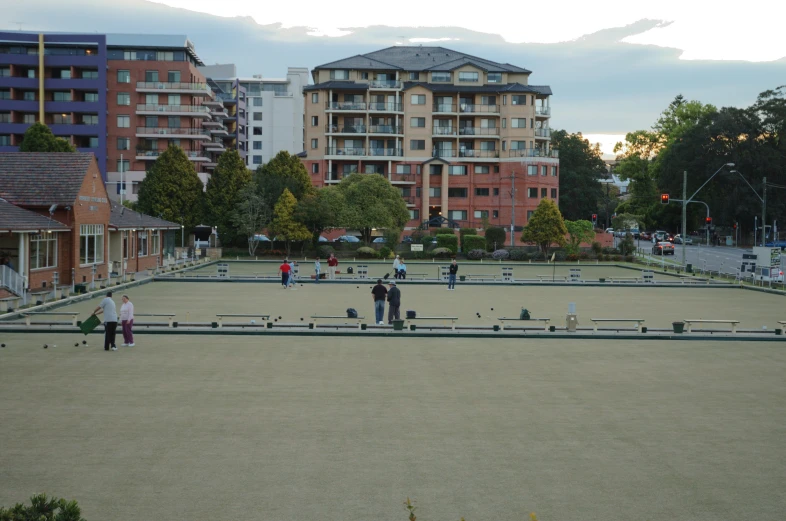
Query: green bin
pixel 462 278
pixel 398 325
pixel 679 327
pixel 90 324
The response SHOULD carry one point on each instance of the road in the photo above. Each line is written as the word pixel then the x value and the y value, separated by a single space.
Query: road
pixel 714 258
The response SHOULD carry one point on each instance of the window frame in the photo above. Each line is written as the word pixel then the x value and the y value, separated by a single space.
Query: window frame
pixel 123 76
pixel 86 232
pixel 480 189
pixel 471 74
pixel 421 142
pixel 414 99
pixel 36 241
pixel 123 121
pixel 416 119
pixel 314 97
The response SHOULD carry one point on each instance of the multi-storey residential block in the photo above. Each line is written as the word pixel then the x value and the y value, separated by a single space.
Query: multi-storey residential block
pixel 271 110
pixel 452 131
pixel 59 80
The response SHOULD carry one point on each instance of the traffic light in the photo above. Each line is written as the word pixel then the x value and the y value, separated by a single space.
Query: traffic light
pixel 664 198
pixel 735 226
pixel 594 219
pixel 708 220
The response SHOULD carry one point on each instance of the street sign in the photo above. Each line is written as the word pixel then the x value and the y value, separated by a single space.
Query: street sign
pixel 415 247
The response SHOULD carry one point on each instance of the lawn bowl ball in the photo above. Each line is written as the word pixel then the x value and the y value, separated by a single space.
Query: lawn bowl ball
pixel 46 346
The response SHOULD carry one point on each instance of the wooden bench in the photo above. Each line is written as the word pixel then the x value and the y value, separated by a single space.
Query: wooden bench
pixel 242 315
pixel 626 279
pixel 548 278
pixel 480 276
pixel 170 317
pixel 636 321
pixel 31 314
pixel 42 294
pixel 502 321
pixel 314 319
pixel 102 283
pixel 444 319
pixel 9 303
pixel 690 322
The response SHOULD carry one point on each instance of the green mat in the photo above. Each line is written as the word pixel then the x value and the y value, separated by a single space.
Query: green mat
pixel 90 324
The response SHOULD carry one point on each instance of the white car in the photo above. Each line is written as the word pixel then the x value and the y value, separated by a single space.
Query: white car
pixel 610 230
pixel 347 238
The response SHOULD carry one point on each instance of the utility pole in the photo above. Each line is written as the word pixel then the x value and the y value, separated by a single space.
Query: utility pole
pixel 764 212
pixel 512 208
pixel 684 212
pixel 122 186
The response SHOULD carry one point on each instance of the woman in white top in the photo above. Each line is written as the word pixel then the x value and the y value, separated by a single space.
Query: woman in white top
pixel 396 264
pixel 127 321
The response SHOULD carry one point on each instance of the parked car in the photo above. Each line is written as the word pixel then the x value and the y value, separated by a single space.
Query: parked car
pixel 663 248
pixel 347 238
pixel 322 238
pixel 659 235
pixel 610 230
pixel 261 237
pixel 407 239
pixel 380 240
pixel 645 236
pixel 678 240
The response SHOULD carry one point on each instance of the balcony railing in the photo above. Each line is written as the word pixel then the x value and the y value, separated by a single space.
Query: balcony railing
pixel 385 151
pixel 444 131
pixel 533 152
pixel 385 129
pixel 345 105
pixel 445 152
pixel 543 132
pixel 543 111
pixel 345 151
pixel 478 131
pixel 173 108
pixel 444 107
pixel 384 106
pixel 165 131
pixel 155 153
pixel 384 84
pixel 467 107
pixel 482 154
pixel 347 129
pixel 165 85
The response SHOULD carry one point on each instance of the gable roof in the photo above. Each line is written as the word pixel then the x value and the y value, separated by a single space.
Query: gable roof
pixel 15 219
pixel 493 88
pixel 122 218
pixel 409 58
pixel 43 178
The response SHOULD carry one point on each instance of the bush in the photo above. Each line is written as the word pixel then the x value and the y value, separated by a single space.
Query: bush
pixel 426 240
pixel 323 252
pixel 519 255
pixel 364 252
pixel 617 258
pixel 572 257
pixel 448 241
pixel 495 237
pixel 463 233
pixel 476 254
pixel 441 253
pixel 626 246
pixel 561 256
pixel 500 255
pixel 583 255
pixel 629 258
pixel 392 237
pixel 472 242
pixel 538 256
pixel 385 252
pixel 608 250
pixel 597 249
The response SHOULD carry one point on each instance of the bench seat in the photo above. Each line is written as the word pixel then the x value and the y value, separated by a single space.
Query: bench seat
pixel 314 319
pixel 637 322
pixel 220 317
pixel 452 320
pixel 170 317
pixel 30 314
pixel 502 321
pixel 690 322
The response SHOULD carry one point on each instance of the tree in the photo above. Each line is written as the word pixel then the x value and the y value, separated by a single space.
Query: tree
pixel 229 178
pixel 320 211
pixel 284 225
pixel 370 201
pixel 43 508
pixel 288 167
pixel 495 238
pixel 172 190
pixel 250 216
pixel 581 169
pixel 579 231
pixel 38 138
pixel 545 227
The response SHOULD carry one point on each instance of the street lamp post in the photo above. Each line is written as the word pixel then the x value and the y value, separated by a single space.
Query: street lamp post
pixel 182 236
pixel 763 207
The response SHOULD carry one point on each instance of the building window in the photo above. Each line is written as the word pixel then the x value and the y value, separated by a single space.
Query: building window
pixel 257 160
pixel 257 116
pixel 65 74
pixel 457 170
pixel 124 76
pixel 339 75
pixel 151 99
pixel 43 251
pixel 544 170
pixel 29 95
pixel 93 142
pixel 5 72
pixel 414 215
pixel 488 146
pixel 258 101
pixel 403 169
pixel 435 192
pixel 553 193
pixel 314 168
pixel 89 75
pixel 518 122
pixel 529 214
pixel 91 244
pixel 418 99
pixel 532 169
pixel 173 121
pixel 141 242
pixel 495 214
pixel 417 144
pixel 435 169
pixel 89 119
pixel 257 131
pixel 122 165
pixel 123 122
pixel 5 93
pixel 457 192
pixel 553 171
pixel 57 118
pixel 468 76
pixel 151 121
pixel 518 145
pixel 173 76
pixel 518 99
pixel 257 145
pixel 481 169
pixel 61 96
pixel 458 215
pixel 495 77
pixel 414 76
pixel 155 243
pixel 173 99
pixel 91 96
pixel 417 122
pixel 496 169
pixel 363 75
pixel 151 76
pixel 481 214
pixel 349 169
pixel 496 192
pixel 532 193
pixel 441 77
pixel 544 192
pixel 482 192
pixel 124 143
pixel 314 97
pixel 314 121
pixel 315 143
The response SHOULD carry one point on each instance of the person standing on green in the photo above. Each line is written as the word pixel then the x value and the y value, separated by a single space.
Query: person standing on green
pixel 394 302
pixel 108 308
pixel 452 275
pixel 317 268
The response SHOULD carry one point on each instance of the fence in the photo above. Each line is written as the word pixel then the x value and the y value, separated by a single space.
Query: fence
pixel 12 281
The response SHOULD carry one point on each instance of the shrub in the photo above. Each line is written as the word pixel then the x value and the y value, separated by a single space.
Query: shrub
pixel 561 256
pixel 448 241
pixel 596 248
pixel 617 258
pixel 538 256
pixel 583 255
pixel 572 257
pixel 385 252
pixel 608 250
pixel 500 255
pixel 463 233
pixel 476 254
pixel 392 237
pixel 626 246
pixel 426 240
pixel 629 258
pixel 519 255
pixel 495 237
pixel 441 253
pixel 324 251
pixel 473 242
pixel 364 252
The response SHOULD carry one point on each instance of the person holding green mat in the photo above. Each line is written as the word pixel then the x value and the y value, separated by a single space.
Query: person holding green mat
pixel 108 308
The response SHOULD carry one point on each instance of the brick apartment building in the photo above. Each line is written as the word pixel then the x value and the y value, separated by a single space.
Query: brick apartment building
pixel 450 130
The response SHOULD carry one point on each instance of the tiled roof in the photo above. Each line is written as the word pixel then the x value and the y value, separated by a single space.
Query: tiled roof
pixel 122 218
pixel 15 219
pixel 337 84
pixel 408 58
pixel 42 179
pixel 496 88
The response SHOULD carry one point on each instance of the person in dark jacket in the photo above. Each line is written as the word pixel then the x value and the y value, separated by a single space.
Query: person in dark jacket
pixel 452 275
pixel 394 302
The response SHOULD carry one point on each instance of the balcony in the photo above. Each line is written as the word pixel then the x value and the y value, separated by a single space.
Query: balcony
pixel 221 131
pixel 210 165
pixel 387 152
pixel 445 152
pixel 151 155
pixel 544 133
pixel 384 84
pixel 478 154
pixel 444 108
pixel 226 97
pixel 346 105
pixel 214 146
pixel 385 129
pixel 543 111
pixel 214 102
pixel 444 131
pixel 174 110
pixel 484 109
pixel 212 124
pixel 182 133
pixel 478 131
pixel 197 89
pixel 534 152
pixel 348 129
pixel 381 106
pixel 345 151
pixel 219 112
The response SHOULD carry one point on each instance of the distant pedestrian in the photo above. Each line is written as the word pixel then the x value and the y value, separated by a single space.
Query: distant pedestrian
pixel 284 270
pixel 127 321
pixel 108 308
pixel 396 264
pixel 452 275
pixel 292 274
pixel 394 302
pixel 402 269
pixel 317 269
pixel 332 264
pixel 379 293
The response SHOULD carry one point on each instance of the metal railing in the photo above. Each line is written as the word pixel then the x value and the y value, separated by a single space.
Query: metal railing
pixel 483 154
pixel 543 132
pixel 385 129
pixel 156 153
pixel 443 131
pixel 12 281
pixel 533 152
pixel 385 106
pixel 165 131
pixel 384 84
pixel 345 105
pixel 444 107
pixel 385 151
pixel 345 151
pixel 543 111
pixel 347 129
pixel 166 85
pixel 445 152
pixel 173 108
pixel 467 107
pixel 478 131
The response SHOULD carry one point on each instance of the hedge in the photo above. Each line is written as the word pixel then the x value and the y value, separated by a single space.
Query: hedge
pixel 473 242
pixel 442 253
pixel 448 241
pixel 495 238
pixel 364 252
pixel 463 233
